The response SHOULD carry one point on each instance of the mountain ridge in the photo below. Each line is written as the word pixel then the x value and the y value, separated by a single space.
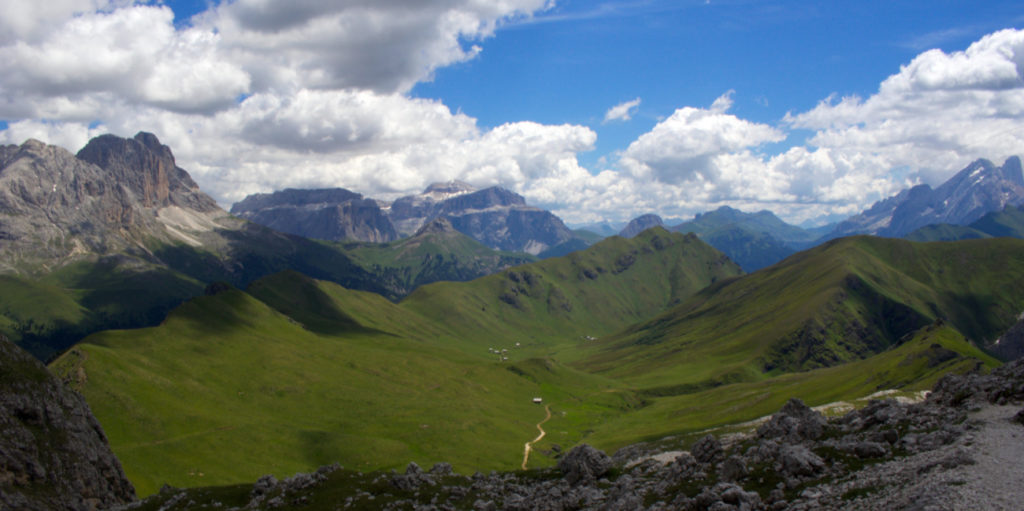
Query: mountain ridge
pixel 835 303
pixel 977 189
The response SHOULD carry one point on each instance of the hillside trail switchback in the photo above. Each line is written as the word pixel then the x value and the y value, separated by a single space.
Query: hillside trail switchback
pixel 529 445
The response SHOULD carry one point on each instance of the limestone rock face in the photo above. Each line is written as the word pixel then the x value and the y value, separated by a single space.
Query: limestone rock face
pixel 147 169
pixel 328 214
pixel 496 217
pixel 53 453
pixel 116 195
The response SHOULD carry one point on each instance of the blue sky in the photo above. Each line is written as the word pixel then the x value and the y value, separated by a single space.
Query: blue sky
pixel 810 109
pixel 776 56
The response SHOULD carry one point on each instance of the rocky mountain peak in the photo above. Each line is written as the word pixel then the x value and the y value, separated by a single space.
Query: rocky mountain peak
pixel 116 193
pixel 1012 170
pixel 488 198
pixel 641 224
pixel 495 216
pixel 33 150
pixel 439 225
pixel 979 188
pixel 147 168
pixel 35 146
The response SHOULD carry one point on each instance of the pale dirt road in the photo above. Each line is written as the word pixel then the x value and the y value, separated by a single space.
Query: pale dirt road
pixel 529 445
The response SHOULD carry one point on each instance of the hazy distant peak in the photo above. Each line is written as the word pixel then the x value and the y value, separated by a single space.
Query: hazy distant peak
pixel 641 224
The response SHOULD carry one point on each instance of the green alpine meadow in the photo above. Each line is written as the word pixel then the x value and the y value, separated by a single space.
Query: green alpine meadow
pixel 629 340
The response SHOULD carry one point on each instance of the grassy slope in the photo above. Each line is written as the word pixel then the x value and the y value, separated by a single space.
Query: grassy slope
pixel 1008 222
pixel 836 303
pixel 47 315
pixel 914 365
pixel 296 372
pixel 945 232
pixel 29 309
pixel 589 293
pixel 431 257
pixel 232 389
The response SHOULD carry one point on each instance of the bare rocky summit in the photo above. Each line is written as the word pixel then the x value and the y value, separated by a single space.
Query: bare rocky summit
pixel 53 453
pixel 115 196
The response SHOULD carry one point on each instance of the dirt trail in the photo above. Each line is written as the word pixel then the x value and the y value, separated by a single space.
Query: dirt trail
pixel 529 445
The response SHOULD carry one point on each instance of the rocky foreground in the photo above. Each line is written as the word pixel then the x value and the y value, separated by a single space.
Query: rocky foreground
pixel 53 453
pixel 962 448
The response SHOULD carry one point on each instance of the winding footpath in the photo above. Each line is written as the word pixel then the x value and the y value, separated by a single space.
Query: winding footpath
pixel 529 445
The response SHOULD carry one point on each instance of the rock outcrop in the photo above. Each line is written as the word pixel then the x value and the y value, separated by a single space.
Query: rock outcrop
pixel 53 453
pixel 584 464
pixel 1010 345
pixel 411 212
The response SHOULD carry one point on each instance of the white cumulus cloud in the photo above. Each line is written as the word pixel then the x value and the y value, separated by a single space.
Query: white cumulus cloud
pixel 688 146
pixel 622 111
pixel 935 115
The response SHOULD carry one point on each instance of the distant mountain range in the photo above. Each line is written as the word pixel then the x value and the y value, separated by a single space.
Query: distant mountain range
pixel 980 201
pixel 494 216
pixel 118 235
pixel 79 233
pixel 753 240
pixel 501 219
pixel 329 214
pixel 978 189
pixel 1006 223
